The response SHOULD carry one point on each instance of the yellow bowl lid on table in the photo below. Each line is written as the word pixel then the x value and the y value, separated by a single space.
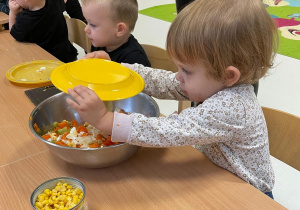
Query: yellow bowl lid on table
pixel 32 72
pixel 110 80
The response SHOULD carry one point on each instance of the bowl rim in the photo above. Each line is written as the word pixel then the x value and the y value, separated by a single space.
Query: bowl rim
pixel 59 179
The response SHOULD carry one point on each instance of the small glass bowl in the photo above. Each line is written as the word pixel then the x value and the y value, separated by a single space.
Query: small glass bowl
pixel 50 184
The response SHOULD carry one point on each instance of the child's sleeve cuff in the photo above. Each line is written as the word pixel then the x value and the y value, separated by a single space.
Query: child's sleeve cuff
pixel 121 127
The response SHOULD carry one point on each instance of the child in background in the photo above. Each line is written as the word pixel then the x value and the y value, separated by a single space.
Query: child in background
pixel 73 8
pixel 221 47
pixel 110 23
pixel 42 22
pixel 4 6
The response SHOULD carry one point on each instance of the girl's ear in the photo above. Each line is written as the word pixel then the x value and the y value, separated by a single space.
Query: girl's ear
pixel 121 29
pixel 232 76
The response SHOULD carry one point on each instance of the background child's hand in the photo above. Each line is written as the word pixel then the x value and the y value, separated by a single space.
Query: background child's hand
pixel 91 108
pixel 14 7
pixel 97 54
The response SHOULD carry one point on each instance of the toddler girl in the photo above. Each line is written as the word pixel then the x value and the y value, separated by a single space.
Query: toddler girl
pixel 221 47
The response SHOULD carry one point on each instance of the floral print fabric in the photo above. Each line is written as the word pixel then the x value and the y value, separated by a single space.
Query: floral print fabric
pixel 229 128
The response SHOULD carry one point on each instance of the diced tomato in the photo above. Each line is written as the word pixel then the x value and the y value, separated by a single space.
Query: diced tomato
pixel 84 134
pixel 36 128
pixel 107 141
pixel 46 136
pixel 74 123
pixel 99 136
pixel 94 145
pixel 61 143
pixel 63 124
pixel 81 128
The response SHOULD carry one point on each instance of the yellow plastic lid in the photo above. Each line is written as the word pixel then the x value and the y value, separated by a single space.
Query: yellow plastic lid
pixel 110 80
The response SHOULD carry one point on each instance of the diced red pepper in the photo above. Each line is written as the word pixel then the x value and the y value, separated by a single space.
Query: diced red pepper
pixel 74 123
pixel 46 136
pixel 63 124
pixel 61 143
pixel 94 145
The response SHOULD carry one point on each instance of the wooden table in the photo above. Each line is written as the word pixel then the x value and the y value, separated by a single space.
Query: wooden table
pixel 154 178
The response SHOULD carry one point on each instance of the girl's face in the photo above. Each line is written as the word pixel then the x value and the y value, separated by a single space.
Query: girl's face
pixel 100 29
pixel 195 82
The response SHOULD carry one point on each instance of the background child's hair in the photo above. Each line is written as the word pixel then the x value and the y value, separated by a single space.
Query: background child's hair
pixel 222 33
pixel 122 10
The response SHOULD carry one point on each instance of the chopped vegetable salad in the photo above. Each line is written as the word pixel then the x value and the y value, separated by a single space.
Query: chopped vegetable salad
pixel 71 134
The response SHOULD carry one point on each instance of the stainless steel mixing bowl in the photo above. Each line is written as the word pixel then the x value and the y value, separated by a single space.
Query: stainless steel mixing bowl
pixel 56 108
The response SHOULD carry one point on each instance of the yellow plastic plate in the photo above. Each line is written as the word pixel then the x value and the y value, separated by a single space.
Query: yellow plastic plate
pixel 33 72
pixel 110 80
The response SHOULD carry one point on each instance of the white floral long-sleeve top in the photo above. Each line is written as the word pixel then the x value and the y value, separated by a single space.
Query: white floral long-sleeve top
pixel 229 127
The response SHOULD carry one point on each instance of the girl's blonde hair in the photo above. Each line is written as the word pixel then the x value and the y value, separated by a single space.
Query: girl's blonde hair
pixel 121 10
pixel 222 33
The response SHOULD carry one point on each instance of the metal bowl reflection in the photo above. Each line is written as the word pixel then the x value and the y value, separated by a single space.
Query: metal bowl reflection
pixel 56 108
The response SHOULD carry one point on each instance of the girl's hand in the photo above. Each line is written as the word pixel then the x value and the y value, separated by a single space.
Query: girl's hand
pixel 91 108
pixel 97 54
pixel 14 7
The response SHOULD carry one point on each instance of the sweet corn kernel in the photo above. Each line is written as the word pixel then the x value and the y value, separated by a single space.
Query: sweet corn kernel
pixel 45 202
pixel 77 191
pixel 38 204
pixel 41 198
pixel 50 202
pixel 75 199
